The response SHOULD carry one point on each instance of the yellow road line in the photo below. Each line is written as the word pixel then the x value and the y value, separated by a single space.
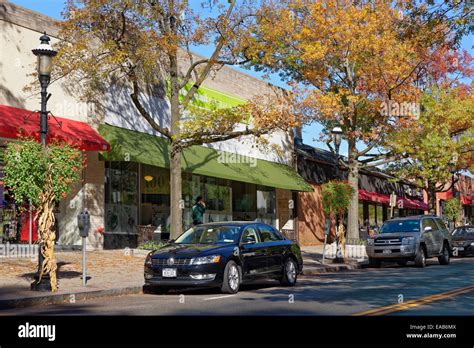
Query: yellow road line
pixel 417 302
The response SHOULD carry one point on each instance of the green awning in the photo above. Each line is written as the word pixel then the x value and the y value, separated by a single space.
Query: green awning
pixel 133 146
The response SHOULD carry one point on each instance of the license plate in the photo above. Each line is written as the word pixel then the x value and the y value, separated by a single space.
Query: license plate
pixel 387 251
pixel 169 272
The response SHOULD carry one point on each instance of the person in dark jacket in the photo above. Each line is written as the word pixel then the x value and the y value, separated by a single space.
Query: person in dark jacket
pixel 198 211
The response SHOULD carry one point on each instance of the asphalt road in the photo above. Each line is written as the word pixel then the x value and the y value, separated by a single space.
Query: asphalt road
pixel 434 290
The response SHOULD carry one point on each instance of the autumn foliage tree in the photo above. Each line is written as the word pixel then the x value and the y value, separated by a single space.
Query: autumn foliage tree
pixel 441 143
pixel 359 65
pixel 42 176
pixel 138 45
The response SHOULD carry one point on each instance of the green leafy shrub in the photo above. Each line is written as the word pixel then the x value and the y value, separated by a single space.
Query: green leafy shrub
pixel 452 209
pixel 151 245
pixel 336 197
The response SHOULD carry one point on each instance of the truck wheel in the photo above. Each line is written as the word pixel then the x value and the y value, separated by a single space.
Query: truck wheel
pixel 374 263
pixel 420 258
pixel 444 257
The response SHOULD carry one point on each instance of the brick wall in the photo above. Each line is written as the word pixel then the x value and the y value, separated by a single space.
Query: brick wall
pixel 311 217
pixel 284 214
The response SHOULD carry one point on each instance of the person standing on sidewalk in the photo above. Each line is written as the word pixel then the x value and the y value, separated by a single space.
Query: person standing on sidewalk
pixel 198 211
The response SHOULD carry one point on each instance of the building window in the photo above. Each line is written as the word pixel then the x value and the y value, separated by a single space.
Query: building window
pixel 372 215
pixel 361 214
pixel 266 205
pixel 121 197
pixel 379 214
pixel 244 201
pixel 155 197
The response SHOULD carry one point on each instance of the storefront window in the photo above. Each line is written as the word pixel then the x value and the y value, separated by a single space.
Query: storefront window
pixel 266 209
pixel 372 217
pixel 379 212
pixel 216 192
pixel 244 201
pixel 361 214
pixel 121 197
pixel 155 196
pixel 217 195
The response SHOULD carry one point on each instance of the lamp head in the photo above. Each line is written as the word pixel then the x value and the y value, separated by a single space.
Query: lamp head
pixel 45 54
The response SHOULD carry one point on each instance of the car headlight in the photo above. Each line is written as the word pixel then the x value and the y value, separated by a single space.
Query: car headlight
pixel 408 240
pixel 472 244
pixel 148 259
pixel 370 241
pixel 205 259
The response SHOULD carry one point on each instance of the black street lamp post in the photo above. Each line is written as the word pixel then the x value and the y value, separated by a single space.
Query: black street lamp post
pixel 337 138
pixel 44 53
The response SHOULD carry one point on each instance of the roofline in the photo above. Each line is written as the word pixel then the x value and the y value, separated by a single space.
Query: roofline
pixel 39 22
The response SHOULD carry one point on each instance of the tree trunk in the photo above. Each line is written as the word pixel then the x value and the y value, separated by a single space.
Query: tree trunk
pixel 47 237
pixel 175 155
pixel 353 180
pixel 176 191
pixel 432 198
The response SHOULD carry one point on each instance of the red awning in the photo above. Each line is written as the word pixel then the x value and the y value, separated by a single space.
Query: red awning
pixel 465 200
pixel 374 197
pixel 409 203
pixel 385 199
pixel 80 134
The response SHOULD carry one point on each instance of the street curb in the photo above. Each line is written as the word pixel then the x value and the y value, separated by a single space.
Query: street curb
pixel 331 269
pixel 61 298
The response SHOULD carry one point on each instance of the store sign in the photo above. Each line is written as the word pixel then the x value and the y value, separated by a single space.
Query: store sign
pixel 211 99
pixel 157 183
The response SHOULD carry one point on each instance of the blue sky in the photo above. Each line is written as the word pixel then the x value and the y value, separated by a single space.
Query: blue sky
pixel 53 9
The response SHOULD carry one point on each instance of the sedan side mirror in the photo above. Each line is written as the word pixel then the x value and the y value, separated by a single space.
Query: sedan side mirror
pixel 249 240
pixel 427 229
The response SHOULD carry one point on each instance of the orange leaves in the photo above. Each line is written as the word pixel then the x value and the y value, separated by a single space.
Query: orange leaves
pixel 352 57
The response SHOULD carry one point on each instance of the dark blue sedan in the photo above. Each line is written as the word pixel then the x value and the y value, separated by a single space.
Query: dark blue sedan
pixel 224 255
pixel 463 240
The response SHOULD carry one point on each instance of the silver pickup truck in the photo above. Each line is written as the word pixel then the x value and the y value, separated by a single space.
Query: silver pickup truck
pixel 413 238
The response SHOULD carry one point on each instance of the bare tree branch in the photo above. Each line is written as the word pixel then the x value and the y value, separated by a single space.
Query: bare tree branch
pixel 145 113
pixel 209 65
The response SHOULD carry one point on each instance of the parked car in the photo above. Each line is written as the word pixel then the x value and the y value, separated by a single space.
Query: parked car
pixel 413 238
pixel 224 255
pixel 463 240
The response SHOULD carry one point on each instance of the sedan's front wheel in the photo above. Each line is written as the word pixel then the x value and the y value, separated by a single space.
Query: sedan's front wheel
pixel 289 273
pixel 231 279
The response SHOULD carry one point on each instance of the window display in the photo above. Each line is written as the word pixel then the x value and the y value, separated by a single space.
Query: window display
pixel 121 197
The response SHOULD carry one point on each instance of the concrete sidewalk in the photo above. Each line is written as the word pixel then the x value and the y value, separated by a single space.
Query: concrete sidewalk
pixel 312 262
pixel 111 272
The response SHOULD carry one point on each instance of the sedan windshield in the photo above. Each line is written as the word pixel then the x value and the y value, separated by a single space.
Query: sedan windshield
pixel 209 235
pixel 400 226
pixel 466 232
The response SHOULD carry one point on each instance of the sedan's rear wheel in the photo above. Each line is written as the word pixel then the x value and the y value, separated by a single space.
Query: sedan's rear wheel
pixel 231 279
pixel 444 257
pixel 290 273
